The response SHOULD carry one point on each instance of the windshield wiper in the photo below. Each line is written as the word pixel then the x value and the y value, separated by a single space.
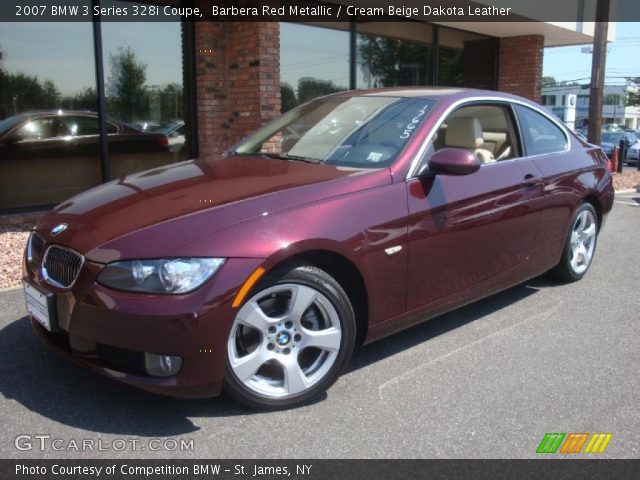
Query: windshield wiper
pixel 286 156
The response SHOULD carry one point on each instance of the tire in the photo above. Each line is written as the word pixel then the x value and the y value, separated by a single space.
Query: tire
pixel 580 245
pixel 290 340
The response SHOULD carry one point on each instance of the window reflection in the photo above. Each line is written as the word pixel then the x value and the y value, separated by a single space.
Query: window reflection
pixel 144 90
pixel 47 74
pixel 314 61
pixel 465 59
pixel 393 54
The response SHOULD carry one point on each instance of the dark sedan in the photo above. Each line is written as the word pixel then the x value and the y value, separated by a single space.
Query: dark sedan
pixel 259 272
pixel 63 147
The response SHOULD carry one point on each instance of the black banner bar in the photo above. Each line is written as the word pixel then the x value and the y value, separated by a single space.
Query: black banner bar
pixel 315 11
pixel 318 469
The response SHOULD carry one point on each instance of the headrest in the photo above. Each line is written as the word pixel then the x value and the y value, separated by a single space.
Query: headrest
pixel 464 133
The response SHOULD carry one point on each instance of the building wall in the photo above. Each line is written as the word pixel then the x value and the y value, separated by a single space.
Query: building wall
pixel 520 70
pixel 611 112
pixel 238 80
pixel 238 76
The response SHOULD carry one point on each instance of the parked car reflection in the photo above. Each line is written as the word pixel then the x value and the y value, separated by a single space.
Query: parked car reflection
pixel 47 156
pixel 174 131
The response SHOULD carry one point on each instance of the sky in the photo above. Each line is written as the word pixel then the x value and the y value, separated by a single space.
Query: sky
pixel 569 63
pixel 63 52
pixel 66 54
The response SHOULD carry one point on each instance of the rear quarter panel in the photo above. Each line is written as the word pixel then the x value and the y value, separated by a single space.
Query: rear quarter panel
pixel 570 178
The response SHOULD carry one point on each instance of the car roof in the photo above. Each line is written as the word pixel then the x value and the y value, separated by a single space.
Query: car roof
pixel 430 93
pixel 413 92
pixel 57 112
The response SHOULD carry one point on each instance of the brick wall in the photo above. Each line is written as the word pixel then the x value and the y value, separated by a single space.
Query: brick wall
pixel 237 80
pixel 521 66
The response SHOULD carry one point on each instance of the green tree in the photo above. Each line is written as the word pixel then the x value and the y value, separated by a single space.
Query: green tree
pixel 310 88
pixel 51 95
pixel 171 103
pixel 615 99
pixel 633 91
pixel 450 70
pixel 23 92
pixel 391 62
pixel 126 89
pixel 288 98
pixel 86 99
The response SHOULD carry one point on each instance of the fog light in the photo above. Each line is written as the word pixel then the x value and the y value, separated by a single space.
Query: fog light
pixel 162 365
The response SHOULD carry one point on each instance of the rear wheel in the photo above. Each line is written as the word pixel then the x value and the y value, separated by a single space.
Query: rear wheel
pixel 290 340
pixel 579 246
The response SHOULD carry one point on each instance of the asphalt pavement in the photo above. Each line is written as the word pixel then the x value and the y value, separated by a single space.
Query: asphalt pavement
pixel 485 381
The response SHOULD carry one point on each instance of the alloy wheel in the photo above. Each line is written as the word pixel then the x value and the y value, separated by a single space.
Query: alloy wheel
pixel 582 243
pixel 284 340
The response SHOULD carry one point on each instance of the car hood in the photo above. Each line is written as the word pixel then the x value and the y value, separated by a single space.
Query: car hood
pixel 153 212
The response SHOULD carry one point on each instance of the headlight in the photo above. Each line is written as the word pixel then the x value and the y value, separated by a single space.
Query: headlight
pixel 171 275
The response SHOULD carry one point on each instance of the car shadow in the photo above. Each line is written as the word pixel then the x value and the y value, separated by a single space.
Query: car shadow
pixel 51 386
pixel 442 324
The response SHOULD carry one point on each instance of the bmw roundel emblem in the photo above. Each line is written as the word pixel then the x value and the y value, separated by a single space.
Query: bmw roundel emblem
pixel 58 229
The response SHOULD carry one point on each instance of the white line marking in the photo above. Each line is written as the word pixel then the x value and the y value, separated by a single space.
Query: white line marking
pixel 544 314
pixel 625 203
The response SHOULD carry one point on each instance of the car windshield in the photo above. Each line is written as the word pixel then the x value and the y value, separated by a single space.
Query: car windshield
pixel 359 132
pixel 8 123
pixel 612 137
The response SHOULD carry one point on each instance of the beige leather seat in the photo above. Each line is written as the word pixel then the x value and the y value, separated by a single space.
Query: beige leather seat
pixel 465 132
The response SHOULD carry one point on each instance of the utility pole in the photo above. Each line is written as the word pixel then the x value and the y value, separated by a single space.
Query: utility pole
pixel 598 70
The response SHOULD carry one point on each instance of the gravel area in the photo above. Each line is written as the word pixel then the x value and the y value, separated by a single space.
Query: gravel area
pixel 12 241
pixel 626 180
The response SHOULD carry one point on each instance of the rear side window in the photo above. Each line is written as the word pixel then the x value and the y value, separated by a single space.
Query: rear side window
pixel 80 126
pixel 541 135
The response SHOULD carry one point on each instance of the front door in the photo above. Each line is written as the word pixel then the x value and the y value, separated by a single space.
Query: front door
pixel 464 230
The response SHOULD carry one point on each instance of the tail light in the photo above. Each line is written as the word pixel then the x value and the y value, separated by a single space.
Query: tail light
pixel 164 141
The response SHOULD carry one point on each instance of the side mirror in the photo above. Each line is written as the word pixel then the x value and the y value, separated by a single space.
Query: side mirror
pixel 453 161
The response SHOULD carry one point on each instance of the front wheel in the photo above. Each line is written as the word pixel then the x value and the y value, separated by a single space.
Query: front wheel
pixel 579 246
pixel 290 340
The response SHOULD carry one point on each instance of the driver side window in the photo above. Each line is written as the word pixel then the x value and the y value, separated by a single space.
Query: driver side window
pixel 487 131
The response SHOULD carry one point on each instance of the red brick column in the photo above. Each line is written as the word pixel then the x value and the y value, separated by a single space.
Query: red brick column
pixel 211 86
pixel 237 78
pixel 521 66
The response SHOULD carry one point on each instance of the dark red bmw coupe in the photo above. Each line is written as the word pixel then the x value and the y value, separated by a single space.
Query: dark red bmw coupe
pixel 347 219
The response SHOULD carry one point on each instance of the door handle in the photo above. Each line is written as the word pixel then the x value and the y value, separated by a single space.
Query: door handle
pixel 531 180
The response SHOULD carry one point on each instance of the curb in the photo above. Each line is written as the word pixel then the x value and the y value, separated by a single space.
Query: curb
pixel 10 289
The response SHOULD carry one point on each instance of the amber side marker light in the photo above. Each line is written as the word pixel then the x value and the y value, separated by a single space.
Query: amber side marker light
pixel 246 286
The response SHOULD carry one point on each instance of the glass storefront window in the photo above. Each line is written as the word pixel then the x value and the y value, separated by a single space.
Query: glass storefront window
pixel 314 61
pixel 465 59
pixel 47 75
pixel 393 54
pixel 144 92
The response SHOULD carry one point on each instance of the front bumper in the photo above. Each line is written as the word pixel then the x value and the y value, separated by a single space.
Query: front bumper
pixel 92 322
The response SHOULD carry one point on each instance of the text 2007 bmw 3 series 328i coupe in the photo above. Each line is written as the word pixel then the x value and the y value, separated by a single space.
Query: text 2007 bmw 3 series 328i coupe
pixel 346 219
